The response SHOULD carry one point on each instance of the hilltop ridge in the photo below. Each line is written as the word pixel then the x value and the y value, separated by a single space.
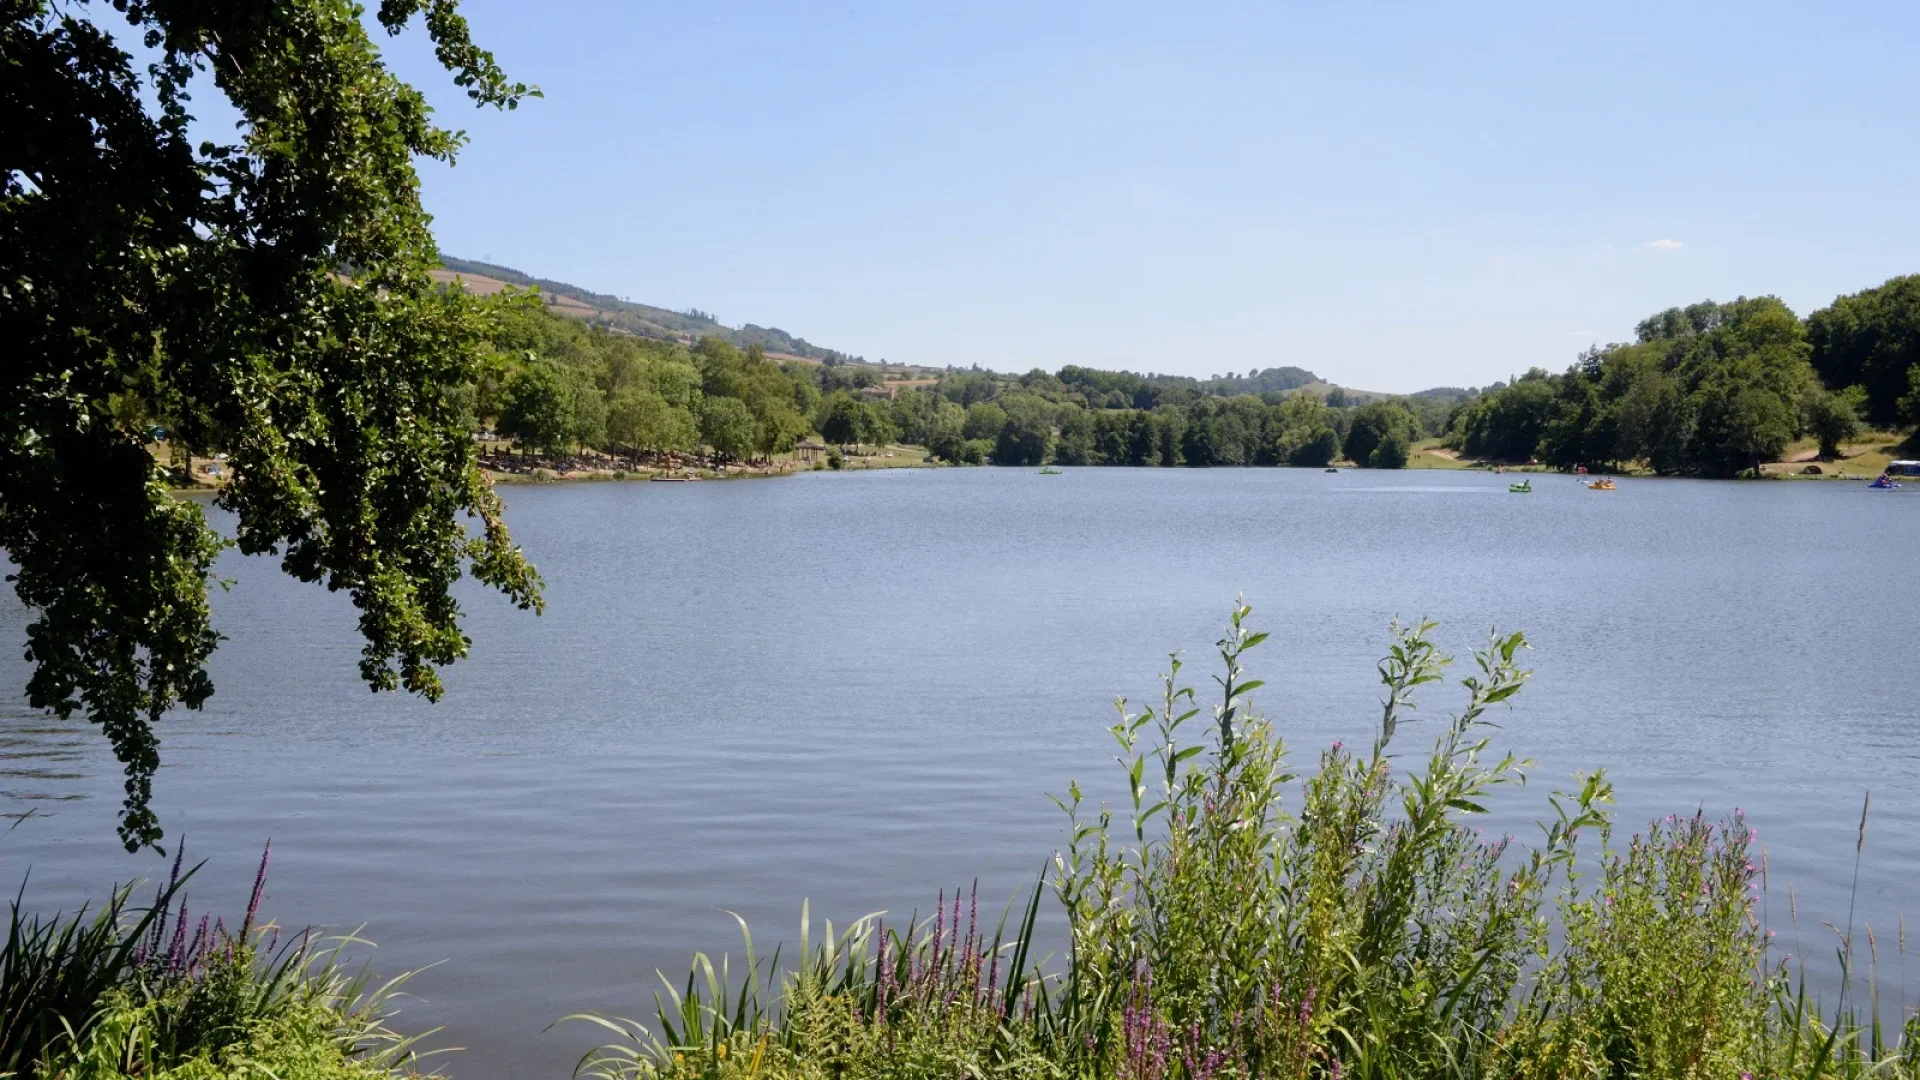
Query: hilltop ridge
pixel 643 320
pixel 665 324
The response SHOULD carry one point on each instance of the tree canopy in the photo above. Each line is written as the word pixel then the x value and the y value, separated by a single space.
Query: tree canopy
pixel 1871 339
pixel 1382 435
pixel 1709 389
pixel 268 297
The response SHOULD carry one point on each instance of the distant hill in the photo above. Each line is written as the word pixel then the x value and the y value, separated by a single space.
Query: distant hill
pixel 643 320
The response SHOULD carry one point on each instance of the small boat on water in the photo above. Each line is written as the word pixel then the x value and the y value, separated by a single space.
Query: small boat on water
pixel 1883 482
pixel 1049 471
pixel 1602 484
pixel 663 478
pixel 1524 487
pixel 1332 470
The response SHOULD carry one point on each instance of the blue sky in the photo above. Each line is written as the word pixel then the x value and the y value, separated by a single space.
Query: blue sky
pixel 1393 196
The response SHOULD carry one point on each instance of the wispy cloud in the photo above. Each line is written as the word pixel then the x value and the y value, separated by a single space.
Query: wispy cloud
pixel 1664 244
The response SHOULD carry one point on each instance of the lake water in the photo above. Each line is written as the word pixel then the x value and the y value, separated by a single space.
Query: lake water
pixel 856 689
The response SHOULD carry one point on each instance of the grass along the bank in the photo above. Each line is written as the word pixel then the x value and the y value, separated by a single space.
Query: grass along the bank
pixel 1860 459
pixel 1240 919
pixel 165 993
pixel 533 469
pixel 1430 454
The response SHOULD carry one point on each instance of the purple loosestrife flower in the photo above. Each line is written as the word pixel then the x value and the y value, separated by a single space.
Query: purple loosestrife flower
pixel 197 952
pixel 259 890
pixel 1208 1064
pixel 883 977
pixel 162 910
pixel 973 924
pixel 968 957
pixel 1146 1040
pixel 176 950
pixel 939 926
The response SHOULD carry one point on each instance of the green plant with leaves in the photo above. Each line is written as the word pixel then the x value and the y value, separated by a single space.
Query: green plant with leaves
pixel 1234 920
pixel 931 999
pixel 1663 969
pixel 268 296
pixel 151 992
pixel 1347 933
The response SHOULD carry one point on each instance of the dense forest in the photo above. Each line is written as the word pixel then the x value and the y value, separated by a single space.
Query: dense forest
pixel 557 385
pixel 1711 389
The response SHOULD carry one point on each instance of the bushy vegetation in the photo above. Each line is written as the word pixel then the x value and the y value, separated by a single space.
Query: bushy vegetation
pixel 1234 919
pixel 152 993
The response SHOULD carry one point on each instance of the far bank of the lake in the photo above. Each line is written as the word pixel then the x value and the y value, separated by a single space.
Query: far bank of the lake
pixel 1859 461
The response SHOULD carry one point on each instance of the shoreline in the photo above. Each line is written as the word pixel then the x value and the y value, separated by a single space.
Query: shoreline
pixel 1859 463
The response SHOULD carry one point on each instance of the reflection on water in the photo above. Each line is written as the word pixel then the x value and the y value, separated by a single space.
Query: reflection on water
pixel 856 689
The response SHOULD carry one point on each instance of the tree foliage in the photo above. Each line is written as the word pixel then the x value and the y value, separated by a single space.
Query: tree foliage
pixel 1709 389
pixel 1834 417
pixel 1027 433
pixel 1382 435
pixel 727 425
pixel 640 418
pixel 268 297
pixel 1870 339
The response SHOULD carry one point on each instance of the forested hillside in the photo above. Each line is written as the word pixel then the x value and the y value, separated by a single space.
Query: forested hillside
pixel 644 319
pixel 556 385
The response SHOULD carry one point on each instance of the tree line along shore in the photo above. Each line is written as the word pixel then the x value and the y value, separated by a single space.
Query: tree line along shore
pixel 1744 388
pixel 1712 389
